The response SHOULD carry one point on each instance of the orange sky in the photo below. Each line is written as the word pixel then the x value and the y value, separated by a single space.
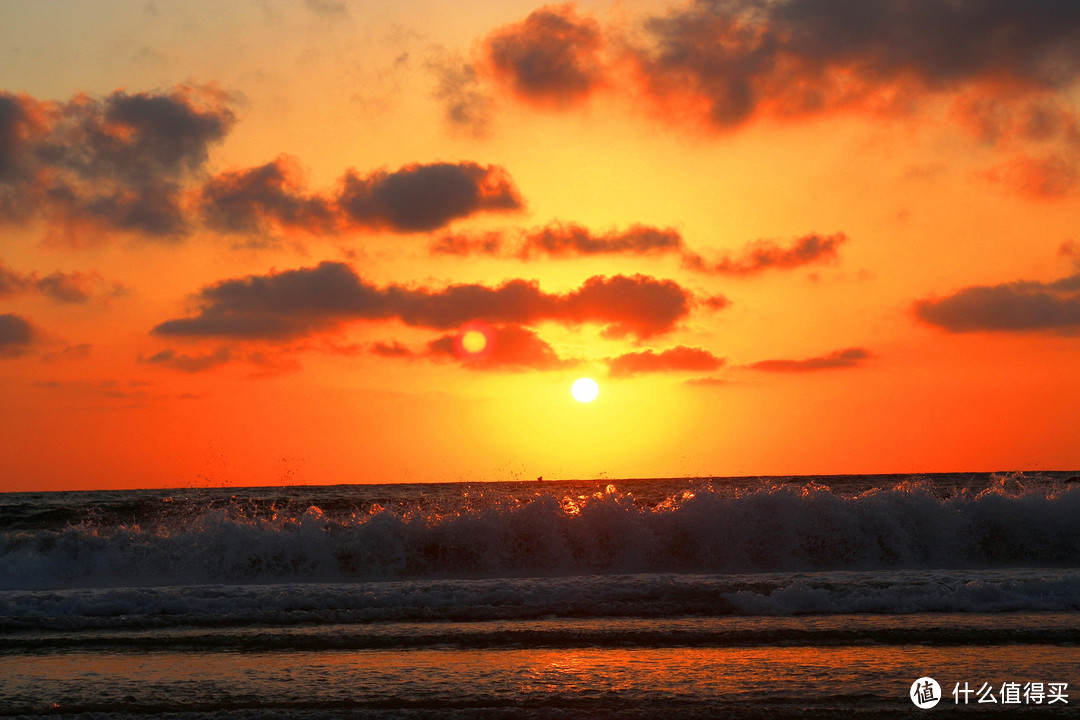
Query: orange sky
pixel 239 244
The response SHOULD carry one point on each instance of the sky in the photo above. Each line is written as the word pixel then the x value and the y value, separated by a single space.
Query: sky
pixel 289 241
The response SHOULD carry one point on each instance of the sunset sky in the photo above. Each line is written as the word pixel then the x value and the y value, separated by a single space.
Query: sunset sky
pixel 240 243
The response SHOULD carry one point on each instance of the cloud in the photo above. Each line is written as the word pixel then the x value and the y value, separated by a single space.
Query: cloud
pixel 677 359
pixel 838 359
pixel 1018 307
pixel 741 58
pixel 764 254
pixel 420 198
pixel 132 162
pixel 550 58
pixel 260 199
pixel 458 88
pixel 73 287
pixel 299 302
pixel 1049 178
pixel 16 335
pixel 559 239
pixel 330 8
pixel 391 349
pixel 414 198
pixel 567 239
pixel 117 162
pixel 190 363
pixel 508 347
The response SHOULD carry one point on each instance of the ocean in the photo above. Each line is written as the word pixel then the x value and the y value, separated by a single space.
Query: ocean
pixel 778 597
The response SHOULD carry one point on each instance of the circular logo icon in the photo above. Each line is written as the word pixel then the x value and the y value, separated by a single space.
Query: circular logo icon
pixel 925 693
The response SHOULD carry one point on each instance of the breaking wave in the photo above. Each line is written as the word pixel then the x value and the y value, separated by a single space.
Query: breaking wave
pixel 711 530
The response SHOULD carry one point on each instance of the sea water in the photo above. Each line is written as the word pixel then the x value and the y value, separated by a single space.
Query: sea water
pixel 690 597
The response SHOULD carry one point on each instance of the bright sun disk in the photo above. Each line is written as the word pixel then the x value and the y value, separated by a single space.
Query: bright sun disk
pixel 584 390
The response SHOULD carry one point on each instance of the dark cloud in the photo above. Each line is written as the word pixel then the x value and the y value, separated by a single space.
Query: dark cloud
pixel 1012 307
pixel 299 302
pixel 508 347
pixel 550 58
pixel 73 287
pixel 677 359
pixel 16 335
pixel 258 199
pixel 838 359
pixel 419 198
pixel 118 162
pixel 744 57
pixel 764 254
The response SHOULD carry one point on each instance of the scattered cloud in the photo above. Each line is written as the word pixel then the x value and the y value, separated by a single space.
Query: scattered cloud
pixel 677 359
pixel 299 302
pixel 838 359
pixel 1018 307
pixel 550 58
pixel 765 254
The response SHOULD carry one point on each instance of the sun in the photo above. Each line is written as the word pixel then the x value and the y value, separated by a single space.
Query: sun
pixel 584 390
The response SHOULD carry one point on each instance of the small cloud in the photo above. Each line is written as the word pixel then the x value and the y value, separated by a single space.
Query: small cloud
pixel 190 363
pixel 848 358
pixel 391 349
pixel 71 352
pixel 73 287
pixel 676 359
pixel 264 198
pixel 419 198
pixel 765 254
pixel 559 239
pixel 16 335
pixel 330 8
pixel 458 88
pixel 1017 307
pixel 1046 178
pixel 551 58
